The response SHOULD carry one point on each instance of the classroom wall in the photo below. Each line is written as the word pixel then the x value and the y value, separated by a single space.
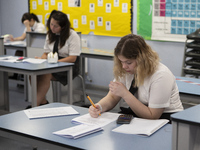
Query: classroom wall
pixel 11 12
pixel 171 54
pixel 99 71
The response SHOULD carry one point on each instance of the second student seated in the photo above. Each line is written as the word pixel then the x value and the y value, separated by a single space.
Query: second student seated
pixel 146 85
pixel 31 23
pixel 68 48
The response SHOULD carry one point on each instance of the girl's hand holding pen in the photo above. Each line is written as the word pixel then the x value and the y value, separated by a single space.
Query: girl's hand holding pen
pixel 94 112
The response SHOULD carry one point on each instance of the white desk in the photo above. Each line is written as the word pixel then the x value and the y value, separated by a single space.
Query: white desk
pixel 4 95
pixel 20 46
pixel 33 70
pixel 12 45
pixel 38 132
pixel 186 129
pixel 96 54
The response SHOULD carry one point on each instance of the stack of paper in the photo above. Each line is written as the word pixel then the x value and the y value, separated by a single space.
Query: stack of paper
pixel 8 59
pixel 50 112
pixel 23 43
pixel 104 119
pixel 14 59
pixel 33 60
pixel 87 125
pixel 78 131
pixel 141 126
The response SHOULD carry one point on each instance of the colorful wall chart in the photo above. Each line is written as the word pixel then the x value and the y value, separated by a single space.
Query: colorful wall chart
pixel 102 17
pixel 169 20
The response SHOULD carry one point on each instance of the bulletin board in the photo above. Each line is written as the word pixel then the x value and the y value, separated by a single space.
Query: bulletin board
pixel 102 17
pixel 167 20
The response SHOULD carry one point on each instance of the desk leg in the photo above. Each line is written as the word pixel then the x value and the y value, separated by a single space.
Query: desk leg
pixel 70 87
pixel 185 136
pixel 4 91
pixel 34 90
pixel 83 67
pixel 83 75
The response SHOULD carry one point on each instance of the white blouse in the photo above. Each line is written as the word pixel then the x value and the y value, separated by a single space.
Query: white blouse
pixel 71 47
pixel 37 27
pixel 158 91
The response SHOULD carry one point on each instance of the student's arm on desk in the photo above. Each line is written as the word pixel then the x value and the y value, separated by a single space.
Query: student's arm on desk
pixel 20 38
pixel 69 59
pixel 44 56
pixel 23 36
pixel 107 103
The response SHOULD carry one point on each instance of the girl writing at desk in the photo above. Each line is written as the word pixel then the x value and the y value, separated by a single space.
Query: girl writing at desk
pixel 31 23
pixel 67 47
pixel 146 85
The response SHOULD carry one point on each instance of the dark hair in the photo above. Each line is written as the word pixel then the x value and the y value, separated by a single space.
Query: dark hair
pixel 63 22
pixel 28 16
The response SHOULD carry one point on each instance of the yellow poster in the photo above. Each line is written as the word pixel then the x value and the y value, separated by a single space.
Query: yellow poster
pixel 102 17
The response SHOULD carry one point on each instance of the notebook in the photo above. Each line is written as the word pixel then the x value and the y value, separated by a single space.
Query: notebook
pixel 104 119
pixel 78 131
pixel 50 112
pixel 141 126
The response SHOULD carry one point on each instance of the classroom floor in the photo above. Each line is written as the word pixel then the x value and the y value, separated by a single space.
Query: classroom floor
pixel 18 103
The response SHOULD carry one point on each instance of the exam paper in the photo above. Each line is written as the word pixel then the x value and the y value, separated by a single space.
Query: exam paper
pixel 78 131
pixel 104 119
pixel 8 59
pixel 15 43
pixel 14 59
pixel 34 61
pixel 141 126
pixel 50 112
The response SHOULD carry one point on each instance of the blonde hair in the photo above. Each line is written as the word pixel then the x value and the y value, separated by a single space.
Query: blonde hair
pixel 134 47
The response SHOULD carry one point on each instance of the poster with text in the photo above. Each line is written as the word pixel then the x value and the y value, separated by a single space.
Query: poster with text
pixel 168 20
pixel 102 17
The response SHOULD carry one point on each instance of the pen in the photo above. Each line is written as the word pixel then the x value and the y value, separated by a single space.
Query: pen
pixel 91 102
pixel 20 59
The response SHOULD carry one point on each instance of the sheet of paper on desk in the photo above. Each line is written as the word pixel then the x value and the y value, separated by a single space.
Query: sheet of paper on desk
pixel 28 60
pixel 34 61
pixel 141 126
pixel 15 43
pixel 8 59
pixel 50 112
pixel 104 119
pixel 78 131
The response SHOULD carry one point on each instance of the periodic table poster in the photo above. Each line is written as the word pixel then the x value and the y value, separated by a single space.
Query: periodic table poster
pixel 102 17
pixel 168 20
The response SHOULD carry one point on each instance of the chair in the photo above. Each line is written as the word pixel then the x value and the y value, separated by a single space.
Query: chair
pixel 56 86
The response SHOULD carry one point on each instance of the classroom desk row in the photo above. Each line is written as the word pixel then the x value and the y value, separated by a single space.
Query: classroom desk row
pixel 38 133
pixel 17 45
pixel 183 134
pixel 188 90
pixel 186 129
pixel 32 70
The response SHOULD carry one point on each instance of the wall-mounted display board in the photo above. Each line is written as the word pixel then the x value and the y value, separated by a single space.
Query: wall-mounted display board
pixel 168 20
pixel 102 17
